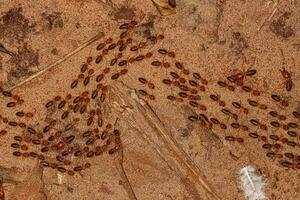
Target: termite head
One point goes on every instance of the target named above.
(285, 73)
(239, 76)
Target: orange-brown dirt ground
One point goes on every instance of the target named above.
(171, 109)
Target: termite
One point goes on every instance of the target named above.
(288, 79)
(239, 77)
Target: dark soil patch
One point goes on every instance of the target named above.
(238, 44)
(14, 25)
(23, 60)
(124, 13)
(280, 28)
(146, 29)
(54, 20)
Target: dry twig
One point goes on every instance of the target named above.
(45, 69)
(137, 113)
(267, 19)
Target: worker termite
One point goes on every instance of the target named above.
(288, 79)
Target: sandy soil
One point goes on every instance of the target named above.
(130, 138)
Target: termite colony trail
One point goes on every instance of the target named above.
(279, 139)
(277, 135)
(75, 129)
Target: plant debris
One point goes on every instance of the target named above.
(14, 26)
(4, 50)
(165, 7)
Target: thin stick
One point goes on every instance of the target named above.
(171, 144)
(174, 148)
(121, 170)
(267, 19)
(82, 46)
(120, 167)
